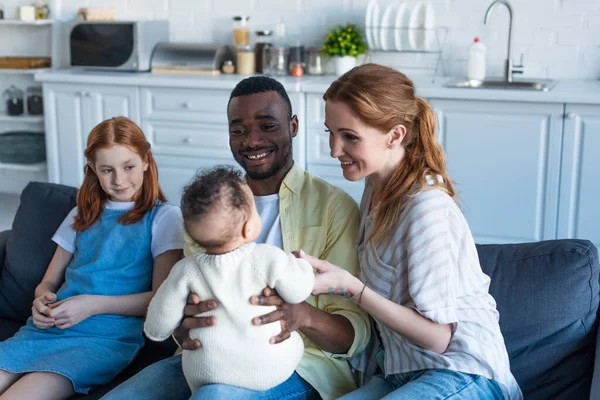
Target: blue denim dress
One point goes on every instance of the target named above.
(110, 259)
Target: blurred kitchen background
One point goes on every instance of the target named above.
(554, 124)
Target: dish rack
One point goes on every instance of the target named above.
(408, 48)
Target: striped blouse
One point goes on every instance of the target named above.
(429, 262)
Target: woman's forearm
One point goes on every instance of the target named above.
(132, 304)
(407, 322)
(330, 332)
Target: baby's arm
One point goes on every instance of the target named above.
(291, 277)
(166, 309)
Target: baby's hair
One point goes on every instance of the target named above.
(221, 186)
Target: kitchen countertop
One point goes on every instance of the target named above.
(566, 91)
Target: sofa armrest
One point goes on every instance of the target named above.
(595, 388)
(3, 240)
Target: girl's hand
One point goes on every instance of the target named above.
(71, 311)
(331, 279)
(40, 311)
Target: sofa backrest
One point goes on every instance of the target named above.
(29, 249)
(547, 295)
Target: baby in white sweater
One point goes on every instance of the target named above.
(220, 215)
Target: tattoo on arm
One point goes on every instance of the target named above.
(341, 292)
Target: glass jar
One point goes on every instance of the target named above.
(42, 11)
(277, 61)
(228, 67)
(1, 11)
(296, 56)
(241, 33)
(296, 69)
(14, 100)
(314, 62)
(245, 62)
(35, 100)
(263, 40)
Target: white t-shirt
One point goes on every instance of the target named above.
(167, 228)
(268, 209)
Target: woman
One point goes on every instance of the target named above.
(420, 276)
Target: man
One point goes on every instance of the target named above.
(298, 211)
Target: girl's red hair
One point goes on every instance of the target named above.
(91, 198)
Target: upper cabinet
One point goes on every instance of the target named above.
(71, 112)
(505, 161)
(579, 213)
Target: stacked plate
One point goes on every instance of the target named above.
(400, 25)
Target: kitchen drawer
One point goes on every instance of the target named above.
(185, 104)
(193, 139)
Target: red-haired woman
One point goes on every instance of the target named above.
(114, 250)
(420, 277)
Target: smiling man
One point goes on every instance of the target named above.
(298, 211)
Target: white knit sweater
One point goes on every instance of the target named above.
(234, 351)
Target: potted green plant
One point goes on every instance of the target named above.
(344, 43)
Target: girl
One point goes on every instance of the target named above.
(114, 250)
(420, 273)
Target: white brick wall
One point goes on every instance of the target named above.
(560, 38)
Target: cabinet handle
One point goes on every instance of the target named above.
(83, 94)
(571, 115)
(187, 140)
(187, 104)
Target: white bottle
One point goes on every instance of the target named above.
(476, 62)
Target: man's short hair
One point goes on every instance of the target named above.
(260, 84)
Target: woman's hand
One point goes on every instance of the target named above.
(291, 316)
(331, 279)
(194, 307)
(40, 311)
(71, 311)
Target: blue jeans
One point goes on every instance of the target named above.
(164, 380)
(428, 384)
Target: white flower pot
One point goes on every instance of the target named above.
(344, 64)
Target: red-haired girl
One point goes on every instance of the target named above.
(114, 250)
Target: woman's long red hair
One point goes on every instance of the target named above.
(91, 198)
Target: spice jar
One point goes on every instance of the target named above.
(263, 41)
(228, 67)
(35, 100)
(296, 69)
(14, 100)
(41, 10)
(296, 56)
(315, 62)
(245, 62)
(277, 61)
(241, 33)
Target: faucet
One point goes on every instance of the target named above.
(509, 67)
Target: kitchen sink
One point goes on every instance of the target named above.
(543, 85)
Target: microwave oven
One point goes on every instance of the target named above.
(115, 45)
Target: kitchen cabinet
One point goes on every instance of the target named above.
(71, 112)
(505, 160)
(318, 159)
(578, 212)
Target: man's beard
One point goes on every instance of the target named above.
(275, 167)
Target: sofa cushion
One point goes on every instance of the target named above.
(29, 248)
(8, 328)
(547, 296)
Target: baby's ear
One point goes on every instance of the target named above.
(246, 229)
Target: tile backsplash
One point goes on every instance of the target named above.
(559, 38)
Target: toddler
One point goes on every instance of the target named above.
(220, 215)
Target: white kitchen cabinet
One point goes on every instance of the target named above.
(505, 161)
(579, 213)
(319, 161)
(71, 112)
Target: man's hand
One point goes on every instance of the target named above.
(71, 311)
(194, 307)
(40, 311)
(292, 316)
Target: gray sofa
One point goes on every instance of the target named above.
(547, 294)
